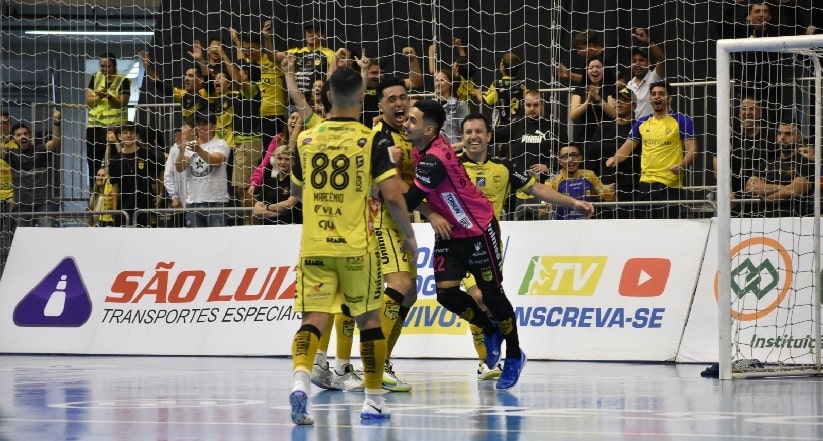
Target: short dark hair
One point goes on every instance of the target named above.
(110, 56)
(313, 25)
(585, 38)
(205, 117)
(433, 112)
(19, 126)
(387, 82)
(641, 52)
(344, 83)
(662, 84)
(476, 116)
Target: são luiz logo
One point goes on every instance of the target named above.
(761, 277)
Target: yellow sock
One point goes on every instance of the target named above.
(325, 338)
(389, 317)
(479, 342)
(344, 329)
(394, 334)
(373, 356)
(303, 348)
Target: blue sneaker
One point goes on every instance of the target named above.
(299, 413)
(493, 343)
(511, 371)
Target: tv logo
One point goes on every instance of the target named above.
(59, 300)
(644, 277)
(562, 275)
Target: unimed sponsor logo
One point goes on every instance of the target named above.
(562, 275)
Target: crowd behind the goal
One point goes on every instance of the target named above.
(242, 109)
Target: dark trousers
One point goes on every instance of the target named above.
(666, 207)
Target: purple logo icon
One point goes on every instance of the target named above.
(59, 300)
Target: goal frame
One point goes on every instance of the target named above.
(794, 44)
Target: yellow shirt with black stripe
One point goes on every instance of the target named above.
(272, 86)
(496, 178)
(390, 135)
(336, 164)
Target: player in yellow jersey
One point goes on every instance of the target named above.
(497, 178)
(342, 377)
(336, 164)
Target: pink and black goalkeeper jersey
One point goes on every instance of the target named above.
(449, 190)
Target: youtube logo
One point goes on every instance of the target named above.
(644, 277)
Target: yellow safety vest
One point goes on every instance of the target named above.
(103, 114)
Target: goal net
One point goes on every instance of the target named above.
(768, 196)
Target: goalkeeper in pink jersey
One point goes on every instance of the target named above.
(468, 241)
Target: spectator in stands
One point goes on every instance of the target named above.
(192, 96)
(213, 65)
(246, 121)
(6, 182)
(644, 76)
(203, 161)
(461, 70)
(372, 73)
(5, 127)
(577, 183)
(313, 60)
(316, 98)
(221, 105)
(626, 176)
(506, 92)
(529, 143)
(272, 84)
(273, 200)
(30, 164)
(107, 97)
(456, 110)
(591, 104)
(785, 182)
(136, 175)
(588, 46)
(750, 143)
(173, 180)
(100, 200)
(669, 147)
(288, 138)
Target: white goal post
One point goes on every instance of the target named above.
(741, 351)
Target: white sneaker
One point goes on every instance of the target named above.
(373, 411)
(349, 381)
(299, 408)
(321, 376)
(484, 373)
(390, 381)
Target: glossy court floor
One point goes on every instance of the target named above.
(170, 398)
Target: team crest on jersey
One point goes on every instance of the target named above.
(487, 274)
(497, 181)
(361, 142)
(141, 165)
